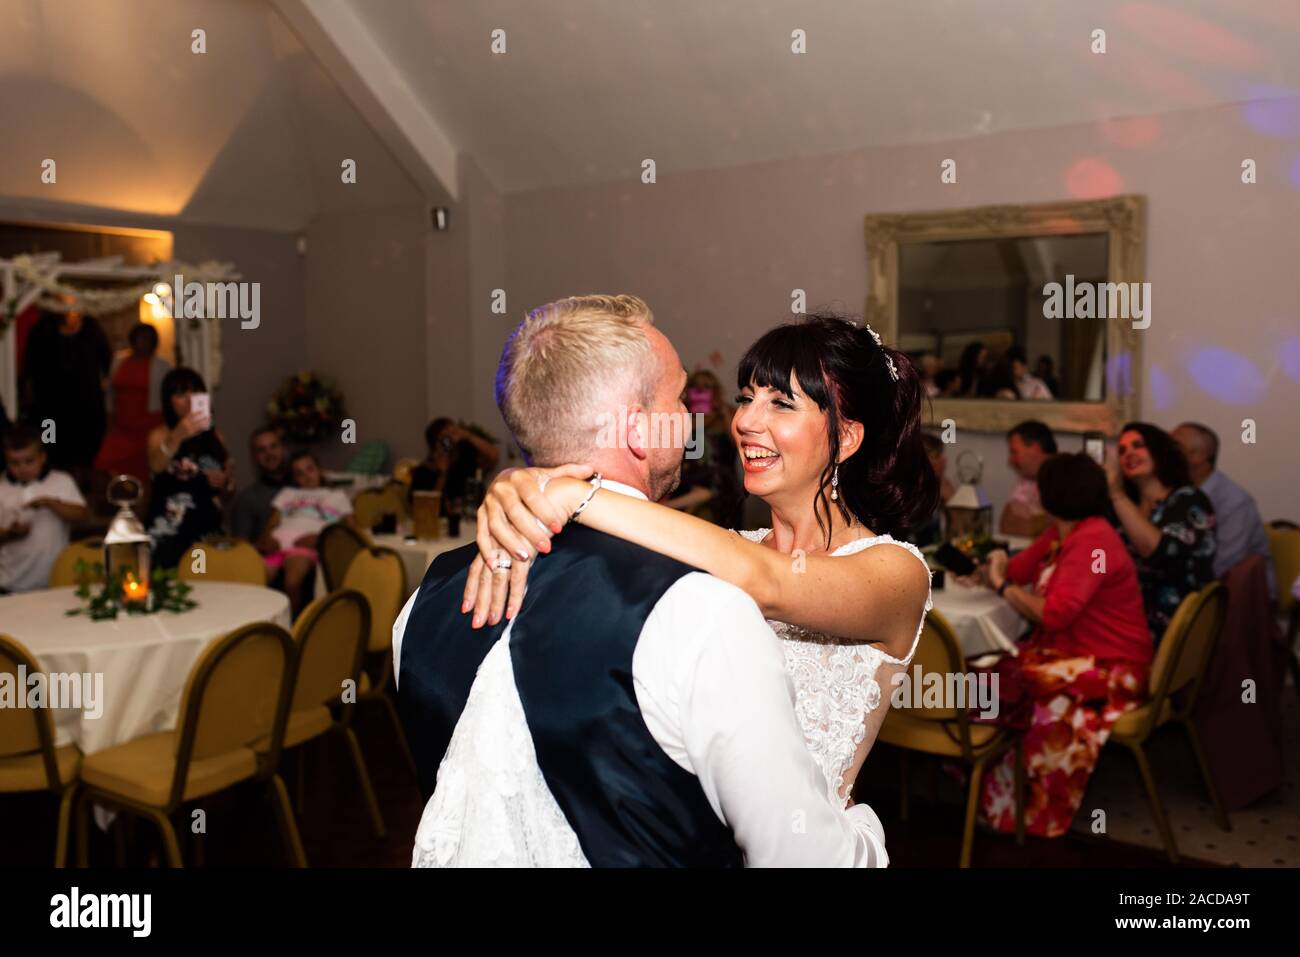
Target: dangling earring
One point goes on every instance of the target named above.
(835, 483)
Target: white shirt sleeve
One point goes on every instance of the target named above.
(399, 630)
(711, 683)
(62, 487)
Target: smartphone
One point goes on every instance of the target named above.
(201, 404)
(954, 560)
(1094, 443)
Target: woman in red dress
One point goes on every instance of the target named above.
(1087, 660)
(134, 406)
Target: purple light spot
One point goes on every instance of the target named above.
(1289, 355)
(1273, 111)
(1226, 375)
(1162, 389)
(1119, 374)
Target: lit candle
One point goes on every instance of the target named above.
(134, 590)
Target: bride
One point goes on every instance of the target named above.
(828, 427)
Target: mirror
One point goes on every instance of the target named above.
(974, 297)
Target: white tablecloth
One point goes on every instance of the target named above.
(144, 660)
(417, 556)
(981, 620)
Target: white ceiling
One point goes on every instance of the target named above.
(253, 131)
(589, 88)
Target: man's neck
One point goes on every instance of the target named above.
(1200, 475)
(621, 471)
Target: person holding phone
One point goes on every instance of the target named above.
(455, 454)
(192, 469)
(1087, 659)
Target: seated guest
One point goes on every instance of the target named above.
(252, 508)
(927, 367)
(947, 383)
(930, 532)
(299, 512)
(1086, 661)
(1044, 369)
(974, 359)
(455, 454)
(1166, 521)
(191, 469)
(711, 486)
(1029, 386)
(1238, 529)
(1028, 446)
(134, 404)
(37, 507)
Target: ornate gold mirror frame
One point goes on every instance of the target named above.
(1122, 218)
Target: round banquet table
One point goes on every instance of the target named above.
(144, 659)
(981, 620)
(417, 555)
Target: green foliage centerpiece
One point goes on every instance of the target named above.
(106, 597)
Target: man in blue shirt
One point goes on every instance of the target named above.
(1238, 526)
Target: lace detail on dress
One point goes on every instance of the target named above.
(491, 806)
(835, 680)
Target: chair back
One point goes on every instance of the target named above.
(378, 574)
(1186, 649)
(237, 693)
(25, 731)
(64, 570)
(938, 653)
(1284, 543)
(331, 634)
(374, 503)
(337, 545)
(223, 560)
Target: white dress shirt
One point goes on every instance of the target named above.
(710, 681)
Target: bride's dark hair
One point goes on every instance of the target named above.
(888, 483)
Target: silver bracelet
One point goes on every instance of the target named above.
(595, 487)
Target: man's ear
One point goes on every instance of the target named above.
(637, 426)
(851, 434)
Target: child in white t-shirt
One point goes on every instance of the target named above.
(298, 514)
(38, 505)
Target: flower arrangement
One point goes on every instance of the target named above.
(307, 408)
(164, 592)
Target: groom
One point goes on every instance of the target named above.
(636, 711)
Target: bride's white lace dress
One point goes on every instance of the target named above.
(482, 804)
(837, 682)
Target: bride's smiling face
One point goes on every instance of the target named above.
(781, 438)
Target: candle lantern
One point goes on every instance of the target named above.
(969, 512)
(126, 545)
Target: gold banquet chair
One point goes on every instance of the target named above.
(1176, 677)
(63, 572)
(237, 695)
(949, 732)
(331, 635)
(29, 760)
(223, 560)
(1284, 544)
(373, 504)
(378, 574)
(337, 545)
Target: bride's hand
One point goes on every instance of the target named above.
(515, 521)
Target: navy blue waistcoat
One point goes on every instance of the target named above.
(571, 648)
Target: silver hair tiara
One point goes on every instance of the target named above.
(889, 360)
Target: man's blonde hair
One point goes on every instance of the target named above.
(568, 368)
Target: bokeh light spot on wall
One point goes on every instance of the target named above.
(1119, 374)
(1131, 132)
(1093, 178)
(1226, 375)
(1289, 357)
(1187, 35)
(1273, 111)
(1161, 388)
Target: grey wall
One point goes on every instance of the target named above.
(716, 253)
